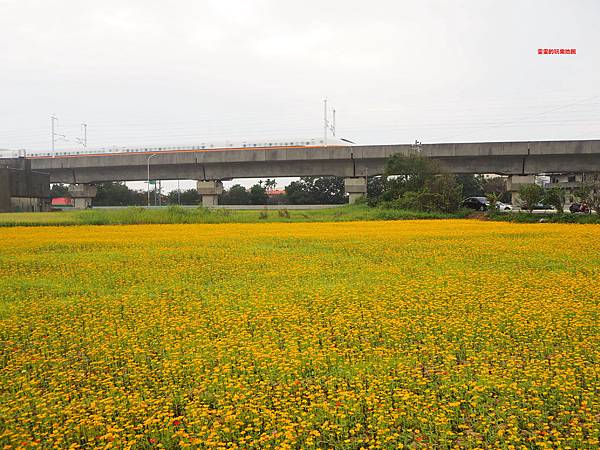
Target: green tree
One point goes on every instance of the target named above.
(59, 190)
(449, 192)
(235, 195)
(531, 195)
(590, 192)
(187, 197)
(495, 185)
(472, 185)
(117, 194)
(595, 195)
(410, 173)
(268, 184)
(329, 190)
(258, 195)
(375, 188)
(555, 197)
(420, 183)
(584, 192)
(316, 190)
(298, 192)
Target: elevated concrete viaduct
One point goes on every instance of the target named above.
(351, 162)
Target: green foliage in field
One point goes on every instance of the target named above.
(177, 214)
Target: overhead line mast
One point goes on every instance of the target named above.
(327, 126)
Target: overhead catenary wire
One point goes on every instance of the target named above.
(583, 112)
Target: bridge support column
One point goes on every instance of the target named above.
(82, 195)
(210, 191)
(514, 183)
(356, 188)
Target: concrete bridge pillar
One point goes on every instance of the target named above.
(210, 191)
(514, 183)
(82, 195)
(356, 188)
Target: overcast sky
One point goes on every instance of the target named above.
(183, 72)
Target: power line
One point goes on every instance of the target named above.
(533, 115)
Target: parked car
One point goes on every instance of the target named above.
(476, 203)
(579, 208)
(503, 206)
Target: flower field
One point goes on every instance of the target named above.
(412, 334)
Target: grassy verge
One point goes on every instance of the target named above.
(174, 214)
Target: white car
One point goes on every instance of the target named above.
(503, 206)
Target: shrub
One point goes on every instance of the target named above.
(556, 198)
(493, 199)
(531, 195)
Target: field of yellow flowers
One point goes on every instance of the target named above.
(432, 334)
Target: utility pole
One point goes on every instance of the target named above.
(83, 140)
(325, 122)
(148, 158)
(327, 126)
(84, 126)
(333, 126)
(53, 120)
(159, 191)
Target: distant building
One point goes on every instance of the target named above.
(275, 192)
(62, 202)
(277, 196)
(22, 189)
(569, 182)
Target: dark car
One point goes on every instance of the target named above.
(476, 203)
